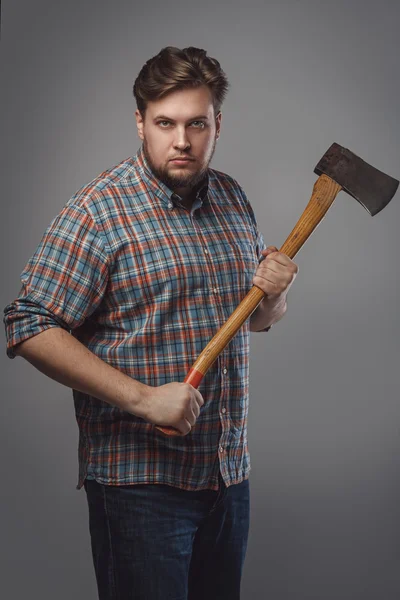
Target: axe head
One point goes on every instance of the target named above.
(372, 188)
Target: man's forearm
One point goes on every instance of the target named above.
(267, 313)
(63, 358)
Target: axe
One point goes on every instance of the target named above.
(339, 169)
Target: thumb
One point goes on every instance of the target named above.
(269, 250)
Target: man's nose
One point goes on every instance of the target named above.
(181, 139)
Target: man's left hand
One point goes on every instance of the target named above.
(275, 274)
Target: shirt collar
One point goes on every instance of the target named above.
(159, 188)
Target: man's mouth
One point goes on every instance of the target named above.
(181, 159)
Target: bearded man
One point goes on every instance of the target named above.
(130, 281)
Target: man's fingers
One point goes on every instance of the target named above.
(187, 428)
(199, 397)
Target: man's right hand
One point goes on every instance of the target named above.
(173, 404)
(62, 357)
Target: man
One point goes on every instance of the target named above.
(130, 281)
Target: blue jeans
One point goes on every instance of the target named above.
(157, 542)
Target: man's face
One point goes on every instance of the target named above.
(182, 124)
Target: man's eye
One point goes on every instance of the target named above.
(196, 124)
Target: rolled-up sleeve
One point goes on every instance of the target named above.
(63, 282)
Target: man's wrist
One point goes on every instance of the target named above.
(268, 312)
(139, 399)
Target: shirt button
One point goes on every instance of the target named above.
(221, 448)
(224, 410)
(170, 205)
(225, 371)
(215, 291)
(205, 251)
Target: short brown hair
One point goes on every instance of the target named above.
(173, 69)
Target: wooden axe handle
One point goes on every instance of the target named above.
(324, 192)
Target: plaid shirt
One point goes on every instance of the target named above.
(145, 284)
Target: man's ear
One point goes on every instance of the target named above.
(218, 120)
(139, 123)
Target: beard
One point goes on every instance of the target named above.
(178, 180)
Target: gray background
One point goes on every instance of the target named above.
(324, 419)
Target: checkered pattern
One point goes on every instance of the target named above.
(145, 284)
